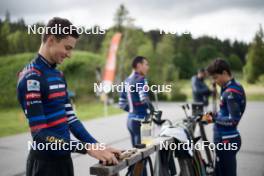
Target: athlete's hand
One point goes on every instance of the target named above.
(207, 118)
(115, 151)
(106, 155)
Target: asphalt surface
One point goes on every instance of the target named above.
(112, 130)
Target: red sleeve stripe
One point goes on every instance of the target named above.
(31, 96)
(233, 90)
(30, 70)
(22, 73)
(57, 94)
(138, 103)
(35, 70)
(41, 126)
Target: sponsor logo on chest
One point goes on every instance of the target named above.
(57, 86)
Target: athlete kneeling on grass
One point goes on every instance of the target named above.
(42, 93)
(232, 107)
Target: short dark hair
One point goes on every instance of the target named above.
(62, 23)
(136, 60)
(218, 66)
(201, 70)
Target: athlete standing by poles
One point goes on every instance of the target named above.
(200, 90)
(135, 99)
(42, 93)
(232, 107)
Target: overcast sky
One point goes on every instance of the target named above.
(233, 19)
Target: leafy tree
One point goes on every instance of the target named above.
(147, 50)
(235, 62)
(226, 47)
(183, 60)
(19, 42)
(164, 59)
(90, 42)
(255, 60)
(7, 17)
(120, 17)
(240, 49)
(129, 47)
(4, 32)
(155, 37)
(206, 53)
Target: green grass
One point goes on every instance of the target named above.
(186, 88)
(95, 110)
(13, 120)
(254, 92)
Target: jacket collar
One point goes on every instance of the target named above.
(228, 83)
(40, 59)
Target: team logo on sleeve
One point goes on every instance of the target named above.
(230, 96)
(31, 96)
(33, 85)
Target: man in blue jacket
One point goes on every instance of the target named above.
(135, 99)
(200, 90)
(42, 93)
(232, 107)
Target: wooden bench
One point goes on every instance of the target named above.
(101, 170)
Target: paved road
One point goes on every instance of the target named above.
(112, 130)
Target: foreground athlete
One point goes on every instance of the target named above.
(232, 107)
(42, 93)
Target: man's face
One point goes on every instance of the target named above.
(202, 75)
(59, 50)
(143, 67)
(219, 79)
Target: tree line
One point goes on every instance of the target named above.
(172, 56)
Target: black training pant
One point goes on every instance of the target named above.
(39, 165)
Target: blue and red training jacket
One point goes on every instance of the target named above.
(42, 93)
(232, 107)
(135, 97)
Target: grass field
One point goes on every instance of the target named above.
(254, 92)
(13, 120)
(80, 74)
